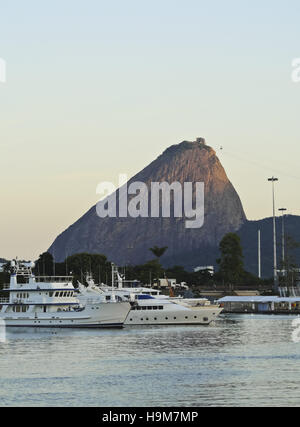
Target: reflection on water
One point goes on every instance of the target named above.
(238, 361)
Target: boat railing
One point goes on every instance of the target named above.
(51, 279)
(91, 301)
(4, 300)
(5, 286)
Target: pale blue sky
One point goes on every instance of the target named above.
(97, 88)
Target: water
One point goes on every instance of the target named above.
(240, 361)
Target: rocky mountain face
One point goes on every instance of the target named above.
(127, 240)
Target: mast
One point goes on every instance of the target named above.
(112, 276)
(113, 298)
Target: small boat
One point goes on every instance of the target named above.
(52, 302)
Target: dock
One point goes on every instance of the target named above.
(260, 305)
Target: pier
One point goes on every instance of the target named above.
(260, 304)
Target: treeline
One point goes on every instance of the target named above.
(231, 268)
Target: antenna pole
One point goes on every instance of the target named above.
(273, 180)
(259, 254)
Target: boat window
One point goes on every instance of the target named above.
(50, 294)
(65, 294)
(144, 308)
(56, 294)
(150, 308)
(161, 307)
(20, 295)
(107, 298)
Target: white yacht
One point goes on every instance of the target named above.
(52, 302)
(150, 307)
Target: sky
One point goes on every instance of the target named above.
(97, 88)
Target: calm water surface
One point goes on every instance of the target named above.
(239, 361)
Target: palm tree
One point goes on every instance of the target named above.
(158, 252)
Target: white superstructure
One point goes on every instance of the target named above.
(150, 307)
(52, 302)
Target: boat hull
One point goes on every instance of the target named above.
(203, 316)
(111, 315)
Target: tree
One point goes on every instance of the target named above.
(289, 265)
(44, 265)
(231, 261)
(83, 263)
(178, 272)
(158, 252)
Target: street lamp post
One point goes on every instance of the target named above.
(273, 180)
